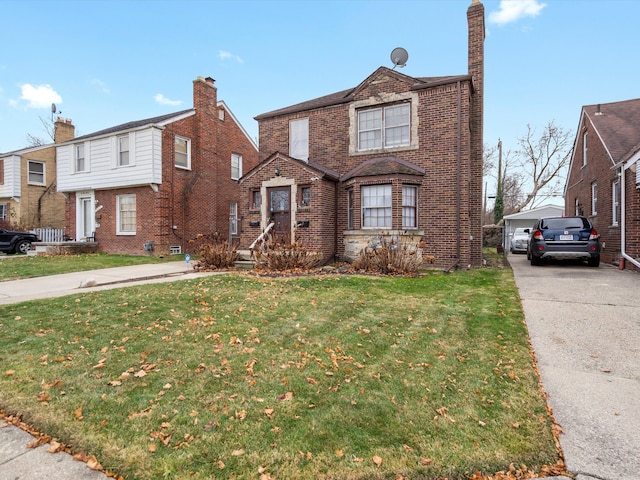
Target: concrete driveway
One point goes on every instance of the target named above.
(584, 325)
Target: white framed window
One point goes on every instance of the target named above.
(3, 211)
(182, 152)
(299, 139)
(409, 206)
(376, 206)
(123, 150)
(585, 148)
(36, 173)
(236, 166)
(126, 214)
(594, 198)
(233, 218)
(305, 196)
(79, 156)
(615, 202)
(383, 127)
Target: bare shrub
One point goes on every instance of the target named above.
(215, 253)
(277, 255)
(389, 256)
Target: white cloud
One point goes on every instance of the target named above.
(41, 96)
(100, 85)
(162, 100)
(513, 10)
(229, 56)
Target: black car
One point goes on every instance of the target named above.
(564, 238)
(16, 242)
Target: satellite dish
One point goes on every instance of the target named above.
(399, 57)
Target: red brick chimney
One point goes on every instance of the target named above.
(63, 130)
(475, 20)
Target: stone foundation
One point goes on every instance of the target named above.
(356, 240)
(63, 248)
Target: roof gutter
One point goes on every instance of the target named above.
(623, 214)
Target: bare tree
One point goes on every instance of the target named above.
(34, 141)
(542, 162)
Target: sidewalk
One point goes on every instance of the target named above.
(69, 283)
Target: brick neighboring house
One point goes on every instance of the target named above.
(151, 186)
(28, 195)
(396, 155)
(603, 182)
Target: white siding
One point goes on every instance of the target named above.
(11, 187)
(145, 147)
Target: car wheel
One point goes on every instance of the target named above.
(536, 260)
(23, 246)
(594, 261)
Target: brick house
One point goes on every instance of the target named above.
(28, 195)
(151, 186)
(396, 155)
(603, 182)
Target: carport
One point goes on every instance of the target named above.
(526, 219)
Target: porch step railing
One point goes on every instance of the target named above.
(261, 236)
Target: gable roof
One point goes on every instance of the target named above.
(618, 126)
(159, 120)
(346, 96)
(323, 171)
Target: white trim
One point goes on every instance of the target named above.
(119, 231)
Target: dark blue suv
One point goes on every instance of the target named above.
(564, 238)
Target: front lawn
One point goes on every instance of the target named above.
(238, 376)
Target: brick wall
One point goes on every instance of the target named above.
(581, 177)
(189, 202)
(40, 205)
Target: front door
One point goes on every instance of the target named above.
(280, 212)
(85, 218)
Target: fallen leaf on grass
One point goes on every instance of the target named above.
(77, 413)
(286, 396)
(237, 453)
(377, 460)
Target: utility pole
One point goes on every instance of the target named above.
(498, 208)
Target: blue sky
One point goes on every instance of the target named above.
(108, 62)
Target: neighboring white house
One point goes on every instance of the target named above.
(526, 219)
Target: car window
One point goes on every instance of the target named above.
(563, 223)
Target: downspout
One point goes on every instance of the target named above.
(458, 174)
(335, 223)
(623, 214)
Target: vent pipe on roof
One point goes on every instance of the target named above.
(598, 110)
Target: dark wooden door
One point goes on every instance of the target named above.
(280, 211)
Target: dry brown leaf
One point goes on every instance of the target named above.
(377, 460)
(237, 453)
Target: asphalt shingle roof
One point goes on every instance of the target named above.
(134, 124)
(345, 96)
(618, 124)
